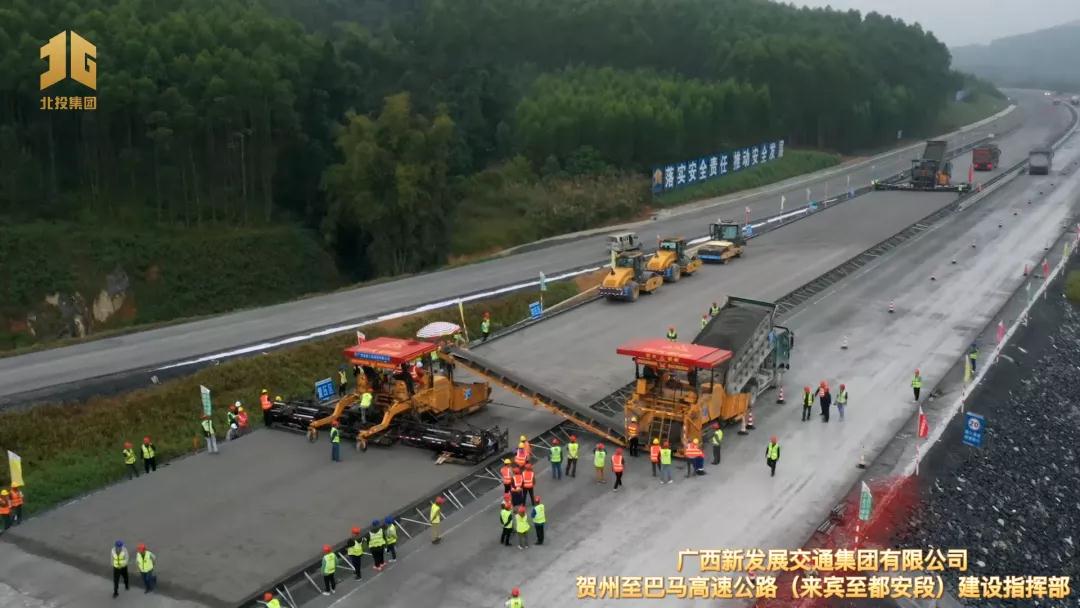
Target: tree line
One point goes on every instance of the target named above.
(367, 120)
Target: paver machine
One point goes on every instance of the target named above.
(931, 173)
(672, 261)
(628, 278)
(726, 241)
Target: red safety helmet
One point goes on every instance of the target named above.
(618, 450)
(356, 530)
(521, 509)
(326, 549)
(232, 408)
(141, 548)
(843, 386)
(916, 371)
(599, 446)
(806, 388)
(335, 423)
(716, 425)
(515, 592)
(537, 499)
(573, 437)
(127, 444)
(439, 500)
(773, 439)
(487, 314)
(268, 596)
(146, 439)
(555, 441)
(667, 444)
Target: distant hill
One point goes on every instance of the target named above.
(1042, 59)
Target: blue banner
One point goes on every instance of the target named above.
(974, 425)
(324, 389)
(690, 172)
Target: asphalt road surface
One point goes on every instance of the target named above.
(33, 376)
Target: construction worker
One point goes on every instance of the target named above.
(695, 458)
(436, 519)
(716, 438)
(119, 555)
(825, 399)
(521, 525)
(632, 436)
(528, 447)
(520, 455)
(271, 600)
(772, 454)
(704, 320)
(485, 327)
(343, 381)
(841, 400)
(973, 355)
(665, 462)
(355, 551)
(233, 426)
(916, 385)
(208, 433)
(654, 455)
(129, 460)
(264, 402)
(672, 335)
(144, 561)
(335, 441)
(807, 403)
(515, 600)
(539, 518)
(528, 478)
(507, 474)
(365, 405)
(377, 545)
(571, 457)
(555, 457)
(599, 462)
(506, 518)
(617, 468)
(329, 567)
(16, 499)
(517, 489)
(149, 455)
(391, 537)
(714, 309)
(5, 510)
(242, 421)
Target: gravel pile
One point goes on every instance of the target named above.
(1015, 502)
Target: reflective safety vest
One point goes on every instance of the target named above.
(519, 481)
(436, 513)
(507, 475)
(129, 456)
(693, 451)
(376, 538)
(5, 506)
(147, 451)
(617, 463)
(665, 455)
(230, 418)
(772, 451)
(632, 429)
(16, 497)
(714, 310)
(391, 534)
(485, 326)
(841, 398)
(356, 546)
(119, 558)
(144, 561)
(672, 335)
(208, 427)
(329, 564)
(521, 523)
(274, 603)
(506, 516)
(572, 449)
(264, 401)
(704, 322)
(654, 453)
(529, 479)
(599, 458)
(807, 398)
(556, 453)
(539, 516)
(342, 378)
(434, 355)
(973, 355)
(365, 400)
(515, 602)
(916, 382)
(717, 437)
(242, 418)
(520, 457)
(335, 435)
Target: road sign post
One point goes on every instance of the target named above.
(973, 429)
(536, 309)
(866, 502)
(324, 389)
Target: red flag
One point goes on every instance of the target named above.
(924, 426)
(971, 173)
(1046, 269)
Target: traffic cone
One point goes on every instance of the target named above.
(780, 396)
(1027, 268)
(954, 259)
(892, 307)
(862, 458)
(750, 420)
(843, 345)
(1045, 269)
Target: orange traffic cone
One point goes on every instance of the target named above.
(750, 420)
(1045, 269)
(780, 396)
(1026, 269)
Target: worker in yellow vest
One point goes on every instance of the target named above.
(807, 403)
(632, 436)
(555, 456)
(149, 455)
(377, 545)
(271, 600)
(435, 517)
(521, 525)
(665, 462)
(916, 385)
(715, 439)
(539, 518)
(355, 551)
(391, 538)
(672, 335)
(119, 556)
(329, 567)
(365, 405)
(335, 441)
(343, 381)
(704, 320)
(654, 455)
(208, 433)
(485, 327)
(506, 518)
(571, 457)
(515, 600)
(772, 454)
(129, 460)
(714, 309)
(599, 462)
(841, 400)
(144, 561)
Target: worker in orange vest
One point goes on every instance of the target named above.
(264, 401)
(528, 478)
(654, 455)
(507, 474)
(632, 435)
(521, 455)
(16, 505)
(694, 455)
(517, 491)
(242, 420)
(528, 447)
(617, 468)
(5, 511)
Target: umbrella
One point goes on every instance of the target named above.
(438, 329)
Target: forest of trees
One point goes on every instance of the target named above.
(367, 120)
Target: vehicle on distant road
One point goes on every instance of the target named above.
(623, 241)
(985, 157)
(1075, 100)
(1039, 160)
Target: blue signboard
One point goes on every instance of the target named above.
(324, 389)
(686, 173)
(973, 429)
(536, 309)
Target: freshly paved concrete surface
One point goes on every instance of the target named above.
(33, 376)
(595, 532)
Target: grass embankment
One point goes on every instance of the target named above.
(68, 450)
(171, 273)
(1072, 286)
(982, 102)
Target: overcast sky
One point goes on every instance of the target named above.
(959, 22)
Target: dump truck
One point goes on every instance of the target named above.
(985, 157)
(930, 173)
(1040, 159)
(672, 261)
(726, 241)
(628, 278)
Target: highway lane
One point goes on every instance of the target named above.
(34, 376)
(638, 532)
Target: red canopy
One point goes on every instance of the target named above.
(387, 352)
(673, 355)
